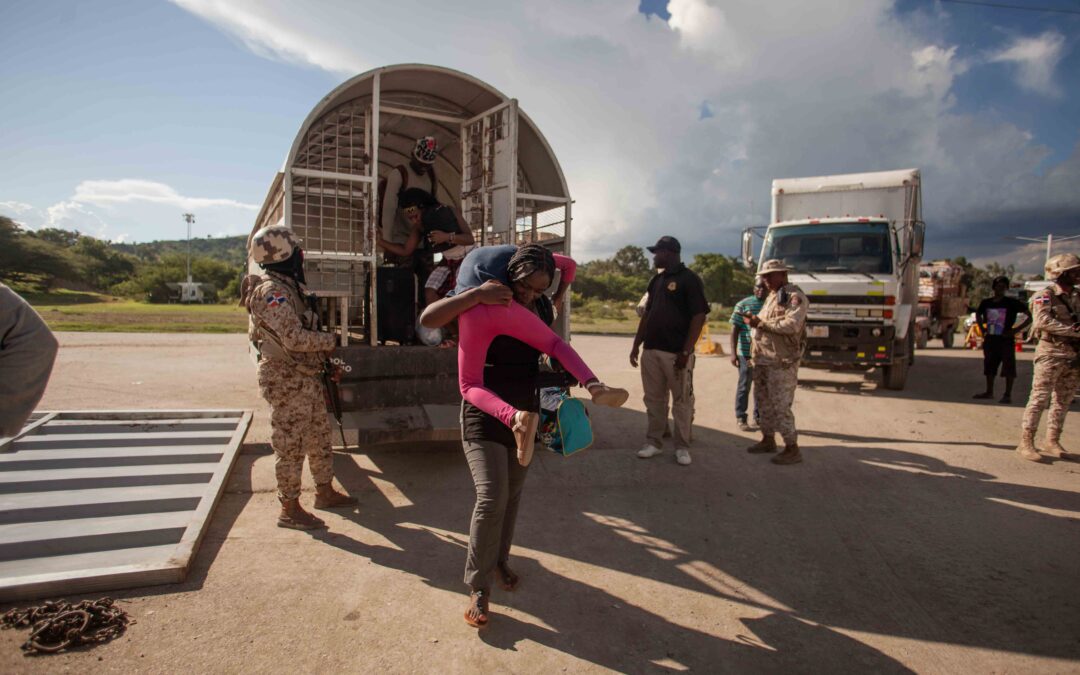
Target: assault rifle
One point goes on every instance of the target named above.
(330, 373)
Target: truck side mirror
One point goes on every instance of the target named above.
(918, 237)
(748, 248)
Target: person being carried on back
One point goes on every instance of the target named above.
(526, 272)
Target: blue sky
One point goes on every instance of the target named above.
(119, 116)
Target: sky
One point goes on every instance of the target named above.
(667, 117)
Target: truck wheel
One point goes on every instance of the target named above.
(894, 377)
(923, 339)
(948, 336)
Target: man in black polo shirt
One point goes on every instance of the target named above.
(669, 328)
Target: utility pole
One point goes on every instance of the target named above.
(1049, 239)
(190, 218)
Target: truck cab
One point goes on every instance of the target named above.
(855, 252)
(493, 164)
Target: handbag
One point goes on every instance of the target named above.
(565, 427)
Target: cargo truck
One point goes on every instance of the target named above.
(943, 299)
(493, 163)
(855, 242)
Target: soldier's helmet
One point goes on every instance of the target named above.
(273, 244)
(1060, 264)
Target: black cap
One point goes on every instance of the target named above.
(666, 244)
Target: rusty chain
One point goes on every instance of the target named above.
(56, 626)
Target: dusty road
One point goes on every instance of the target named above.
(910, 539)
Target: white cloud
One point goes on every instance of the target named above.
(1035, 59)
(71, 215)
(15, 208)
(793, 88)
(128, 190)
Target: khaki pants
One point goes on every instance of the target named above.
(659, 379)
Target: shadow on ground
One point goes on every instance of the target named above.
(920, 386)
(859, 537)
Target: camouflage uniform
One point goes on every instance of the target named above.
(1057, 372)
(290, 361)
(775, 350)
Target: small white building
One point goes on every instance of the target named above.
(187, 292)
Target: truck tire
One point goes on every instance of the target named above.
(923, 339)
(894, 377)
(948, 336)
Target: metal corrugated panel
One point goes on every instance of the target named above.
(92, 501)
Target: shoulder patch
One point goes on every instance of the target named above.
(795, 301)
(275, 298)
(1042, 299)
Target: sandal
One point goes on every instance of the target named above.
(602, 394)
(476, 615)
(508, 579)
(524, 429)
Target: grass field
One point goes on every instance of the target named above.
(628, 322)
(78, 311)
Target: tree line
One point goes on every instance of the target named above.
(625, 276)
(51, 258)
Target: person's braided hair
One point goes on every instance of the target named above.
(528, 260)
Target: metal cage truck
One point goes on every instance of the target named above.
(855, 242)
(493, 163)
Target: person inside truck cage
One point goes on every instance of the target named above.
(438, 227)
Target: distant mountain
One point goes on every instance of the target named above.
(232, 250)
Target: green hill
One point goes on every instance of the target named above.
(231, 250)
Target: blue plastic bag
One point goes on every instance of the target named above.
(564, 422)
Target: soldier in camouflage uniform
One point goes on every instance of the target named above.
(291, 359)
(1057, 369)
(779, 333)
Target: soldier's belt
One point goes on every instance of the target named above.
(271, 351)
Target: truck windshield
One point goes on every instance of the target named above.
(862, 248)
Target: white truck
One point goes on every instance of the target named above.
(855, 242)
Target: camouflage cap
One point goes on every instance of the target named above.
(272, 244)
(774, 265)
(1060, 264)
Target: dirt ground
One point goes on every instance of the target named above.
(911, 538)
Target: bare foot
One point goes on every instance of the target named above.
(508, 579)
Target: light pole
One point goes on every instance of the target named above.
(190, 218)
(1049, 239)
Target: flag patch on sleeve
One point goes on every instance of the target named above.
(1041, 300)
(275, 299)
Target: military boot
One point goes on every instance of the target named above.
(766, 444)
(1026, 449)
(790, 455)
(326, 497)
(1053, 446)
(295, 517)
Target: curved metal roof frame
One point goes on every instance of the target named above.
(460, 92)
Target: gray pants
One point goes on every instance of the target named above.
(659, 379)
(498, 479)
